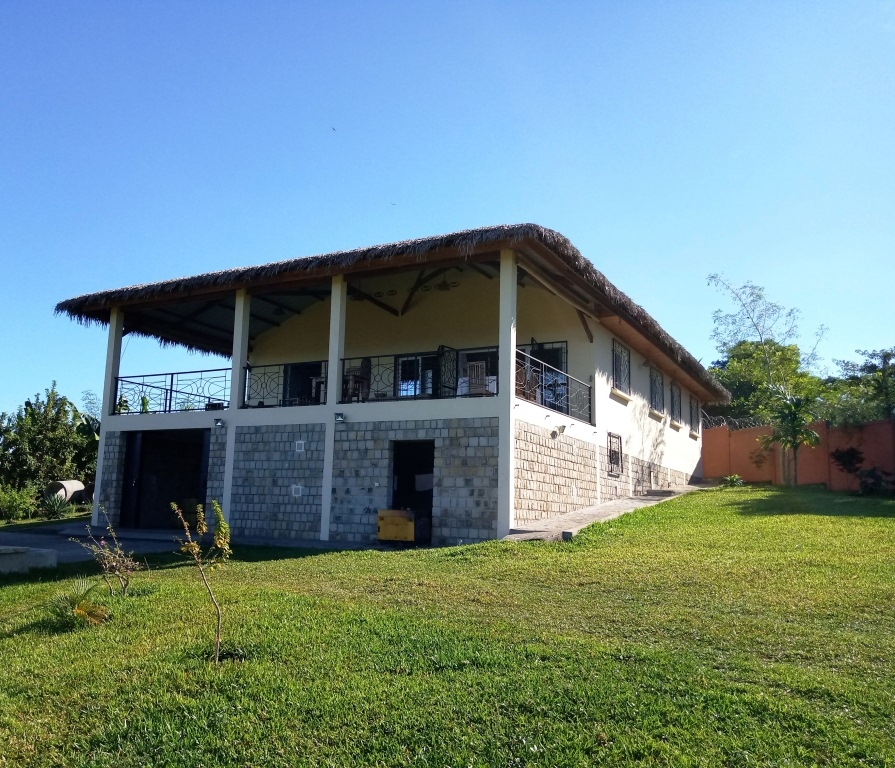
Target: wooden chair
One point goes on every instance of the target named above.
(478, 380)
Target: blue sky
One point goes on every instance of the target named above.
(144, 141)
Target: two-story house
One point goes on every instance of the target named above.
(484, 379)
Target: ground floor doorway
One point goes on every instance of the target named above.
(160, 467)
(413, 469)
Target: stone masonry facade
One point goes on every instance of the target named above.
(646, 475)
(555, 473)
(277, 485)
(464, 503)
(109, 494)
(559, 474)
(217, 459)
(638, 477)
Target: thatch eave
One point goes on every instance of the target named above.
(95, 308)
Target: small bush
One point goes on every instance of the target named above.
(54, 506)
(111, 558)
(16, 504)
(75, 607)
(731, 481)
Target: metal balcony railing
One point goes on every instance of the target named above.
(431, 375)
(170, 392)
(286, 384)
(552, 388)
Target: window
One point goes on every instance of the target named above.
(656, 390)
(616, 459)
(416, 376)
(675, 390)
(621, 368)
(694, 414)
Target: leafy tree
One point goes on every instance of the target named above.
(47, 439)
(744, 374)
(872, 381)
(758, 319)
(791, 417)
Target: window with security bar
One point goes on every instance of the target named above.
(616, 459)
(694, 414)
(675, 391)
(621, 367)
(656, 390)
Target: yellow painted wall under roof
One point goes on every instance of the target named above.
(462, 317)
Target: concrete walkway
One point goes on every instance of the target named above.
(564, 527)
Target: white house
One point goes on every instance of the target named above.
(482, 379)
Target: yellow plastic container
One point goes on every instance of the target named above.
(395, 525)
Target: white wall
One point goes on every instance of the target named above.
(643, 436)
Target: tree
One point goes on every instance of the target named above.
(46, 440)
(760, 320)
(744, 373)
(874, 379)
(791, 416)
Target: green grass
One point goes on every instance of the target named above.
(738, 627)
(77, 513)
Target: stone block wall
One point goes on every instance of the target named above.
(554, 475)
(647, 475)
(464, 507)
(265, 468)
(109, 494)
(613, 486)
(217, 458)
(464, 504)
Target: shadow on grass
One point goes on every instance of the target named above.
(815, 501)
(43, 525)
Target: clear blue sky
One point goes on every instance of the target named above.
(667, 140)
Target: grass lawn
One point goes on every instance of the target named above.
(75, 514)
(736, 627)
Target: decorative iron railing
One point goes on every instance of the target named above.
(552, 388)
(169, 392)
(286, 384)
(437, 374)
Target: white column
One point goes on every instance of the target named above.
(110, 394)
(240, 354)
(506, 481)
(239, 358)
(337, 306)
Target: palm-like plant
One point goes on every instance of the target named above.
(791, 416)
(75, 607)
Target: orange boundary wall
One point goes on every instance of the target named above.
(726, 452)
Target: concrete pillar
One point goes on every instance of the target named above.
(506, 481)
(337, 309)
(239, 359)
(110, 396)
(240, 353)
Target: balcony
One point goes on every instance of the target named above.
(428, 375)
(285, 385)
(173, 392)
(540, 383)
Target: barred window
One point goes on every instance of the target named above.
(621, 367)
(694, 414)
(656, 390)
(675, 390)
(616, 458)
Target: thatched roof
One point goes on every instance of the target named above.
(457, 246)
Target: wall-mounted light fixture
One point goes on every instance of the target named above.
(340, 417)
(561, 428)
(219, 423)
